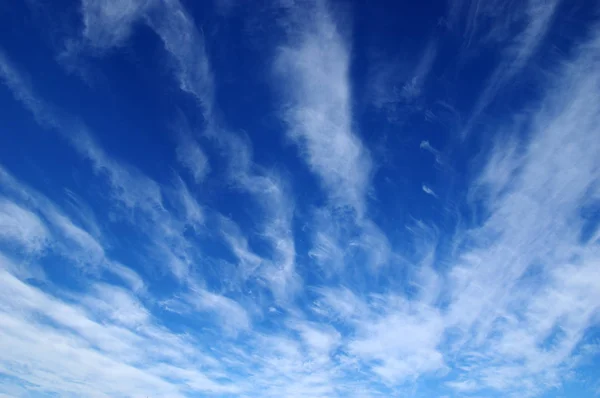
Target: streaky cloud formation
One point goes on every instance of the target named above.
(231, 214)
(534, 219)
(518, 51)
(314, 69)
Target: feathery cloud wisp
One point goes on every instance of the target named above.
(428, 191)
(313, 69)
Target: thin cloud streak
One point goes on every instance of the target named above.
(57, 232)
(426, 146)
(539, 14)
(399, 89)
(414, 86)
(428, 191)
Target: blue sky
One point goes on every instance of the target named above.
(299, 198)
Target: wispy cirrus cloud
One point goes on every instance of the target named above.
(130, 189)
(78, 352)
(530, 242)
(230, 314)
(426, 146)
(20, 226)
(314, 71)
(193, 158)
(196, 78)
(428, 190)
(519, 49)
(413, 87)
(109, 23)
(55, 231)
(186, 49)
(138, 197)
(312, 76)
(108, 326)
(397, 87)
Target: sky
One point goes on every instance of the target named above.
(299, 198)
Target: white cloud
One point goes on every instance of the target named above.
(320, 340)
(237, 241)
(326, 249)
(137, 192)
(340, 241)
(277, 267)
(130, 187)
(340, 302)
(20, 226)
(186, 49)
(61, 233)
(313, 70)
(193, 158)
(195, 380)
(278, 209)
(429, 191)
(284, 369)
(396, 339)
(118, 305)
(191, 211)
(403, 341)
(426, 146)
(522, 294)
(78, 353)
(108, 23)
(138, 197)
(374, 243)
(231, 314)
(395, 85)
(413, 87)
(538, 18)
(463, 386)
